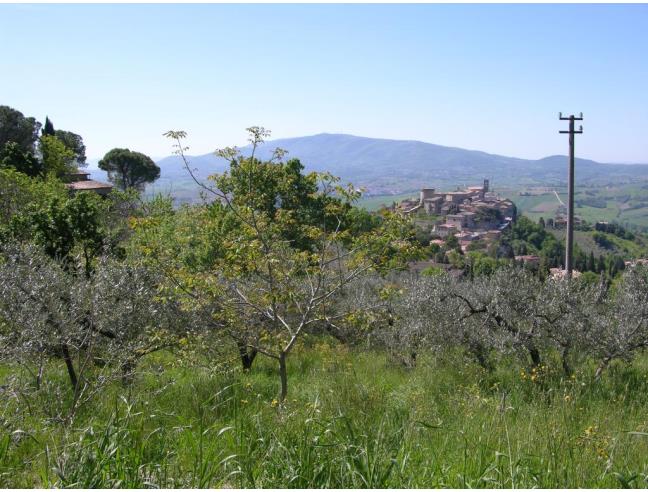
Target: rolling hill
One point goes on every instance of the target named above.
(386, 167)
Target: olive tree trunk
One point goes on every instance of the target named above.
(74, 381)
(247, 355)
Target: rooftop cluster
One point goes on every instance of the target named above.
(474, 213)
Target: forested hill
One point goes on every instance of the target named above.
(386, 166)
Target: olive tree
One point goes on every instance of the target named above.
(106, 321)
(497, 312)
(420, 317)
(564, 307)
(511, 311)
(618, 326)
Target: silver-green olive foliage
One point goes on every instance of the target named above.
(113, 317)
(514, 313)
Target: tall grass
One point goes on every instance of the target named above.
(351, 420)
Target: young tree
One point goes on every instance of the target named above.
(452, 242)
(283, 261)
(19, 195)
(64, 227)
(456, 259)
(482, 264)
(57, 159)
(128, 169)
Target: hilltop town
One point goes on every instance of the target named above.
(470, 214)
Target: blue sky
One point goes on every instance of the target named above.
(485, 77)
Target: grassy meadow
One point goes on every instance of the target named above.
(373, 203)
(352, 419)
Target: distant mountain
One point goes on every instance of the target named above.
(386, 166)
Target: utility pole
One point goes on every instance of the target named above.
(569, 253)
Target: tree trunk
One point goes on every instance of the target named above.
(567, 370)
(86, 256)
(336, 333)
(247, 355)
(535, 356)
(604, 363)
(39, 376)
(127, 372)
(284, 377)
(478, 351)
(70, 368)
(413, 356)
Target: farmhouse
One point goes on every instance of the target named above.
(79, 181)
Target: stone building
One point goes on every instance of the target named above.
(472, 213)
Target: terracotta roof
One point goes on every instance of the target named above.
(88, 185)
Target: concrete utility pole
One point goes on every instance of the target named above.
(569, 253)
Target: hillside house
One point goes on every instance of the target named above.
(79, 181)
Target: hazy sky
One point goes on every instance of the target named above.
(485, 77)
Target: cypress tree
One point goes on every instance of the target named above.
(48, 129)
(601, 264)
